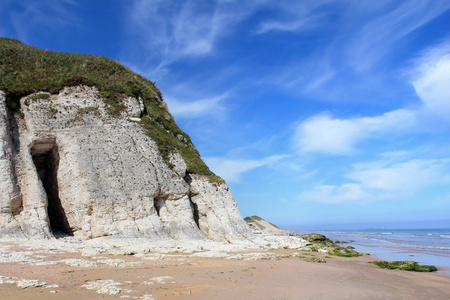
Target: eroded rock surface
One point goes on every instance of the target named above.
(67, 166)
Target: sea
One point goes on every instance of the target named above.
(425, 246)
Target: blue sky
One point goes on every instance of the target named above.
(314, 112)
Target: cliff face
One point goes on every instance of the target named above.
(68, 165)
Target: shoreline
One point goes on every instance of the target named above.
(398, 254)
(394, 252)
(252, 274)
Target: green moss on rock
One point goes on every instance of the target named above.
(40, 96)
(312, 258)
(321, 243)
(315, 259)
(406, 265)
(313, 237)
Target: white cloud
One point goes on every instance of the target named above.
(211, 107)
(430, 77)
(232, 170)
(334, 194)
(431, 82)
(401, 178)
(393, 177)
(324, 134)
(383, 180)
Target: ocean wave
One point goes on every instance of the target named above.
(402, 243)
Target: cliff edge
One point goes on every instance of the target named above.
(89, 149)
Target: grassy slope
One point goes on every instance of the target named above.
(25, 70)
(256, 219)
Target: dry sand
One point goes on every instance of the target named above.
(249, 275)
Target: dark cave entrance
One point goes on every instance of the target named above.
(46, 160)
(194, 207)
(158, 203)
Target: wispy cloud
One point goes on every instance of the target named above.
(335, 194)
(171, 31)
(293, 16)
(4, 9)
(383, 180)
(362, 38)
(183, 29)
(43, 14)
(305, 75)
(232, 170)
(377, 37)
(306, 22)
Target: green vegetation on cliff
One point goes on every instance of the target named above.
(25, 70)
(254, 220)
(257, 222)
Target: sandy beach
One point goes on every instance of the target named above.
(276, 274)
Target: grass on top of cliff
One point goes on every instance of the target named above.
(25, 70)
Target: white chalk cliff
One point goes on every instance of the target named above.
(67, 165)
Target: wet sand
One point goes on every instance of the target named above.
(250, 275)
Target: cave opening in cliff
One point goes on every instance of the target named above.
(194, 207)
(158, 203)
(46, 160)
